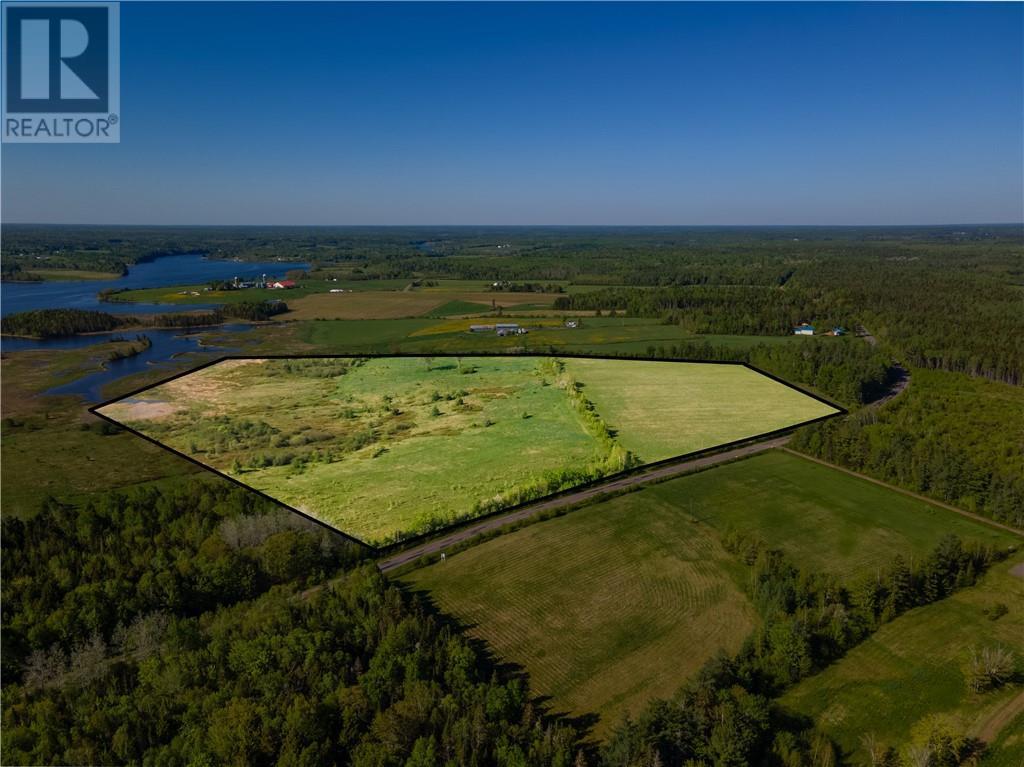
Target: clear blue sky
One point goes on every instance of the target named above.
(728, 113)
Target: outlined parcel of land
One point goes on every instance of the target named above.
(384, 448)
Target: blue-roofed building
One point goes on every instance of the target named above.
(803, 330)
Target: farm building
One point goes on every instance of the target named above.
(281, 284)
(481, 328)
(803, 330)
(509, 329)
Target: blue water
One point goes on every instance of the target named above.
(165, 346)
(165, 271)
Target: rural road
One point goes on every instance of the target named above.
(902, 374)
(662, 472)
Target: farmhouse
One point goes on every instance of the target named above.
(281, 284)
(803, 330)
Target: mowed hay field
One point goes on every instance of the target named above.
(913, 667)
(664, 409)
(384, 448)
(375, 305)
(606, 607)
(824, 519)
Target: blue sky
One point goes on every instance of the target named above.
(728, 113)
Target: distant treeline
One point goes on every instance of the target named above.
(255, 311)
(58, 323)
(717, 310)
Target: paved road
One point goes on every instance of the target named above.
(662, 472)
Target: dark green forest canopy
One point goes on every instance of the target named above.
(58, 323)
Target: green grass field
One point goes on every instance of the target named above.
(659, 413)
(606, 607)
(623, 634)
(825, 520)
(391, 447)
(913, 667)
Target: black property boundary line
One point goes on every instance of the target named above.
(392, 548)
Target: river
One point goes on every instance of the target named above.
(166, 344)
(165, 271)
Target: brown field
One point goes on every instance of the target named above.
(389, 305)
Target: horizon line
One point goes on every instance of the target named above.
(526, 226)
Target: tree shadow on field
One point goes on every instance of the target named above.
(507, 670)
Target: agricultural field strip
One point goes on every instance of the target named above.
(684, 466)
(933, 501)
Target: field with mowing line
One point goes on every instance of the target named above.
(366, 305)
(387, 448)
(825, 520)
(606, 607)
(913, 667)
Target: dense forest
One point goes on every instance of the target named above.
(57, 323)
(949, 436)
(200, 625)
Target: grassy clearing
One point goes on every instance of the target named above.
(913, 667)
(825, 520)
(390, 447)
(383, 448)
(663, 409)
(606, 607)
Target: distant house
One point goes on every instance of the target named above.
(281, 284)
(509, 329)
(803, 330)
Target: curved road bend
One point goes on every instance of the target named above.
(662, 472)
